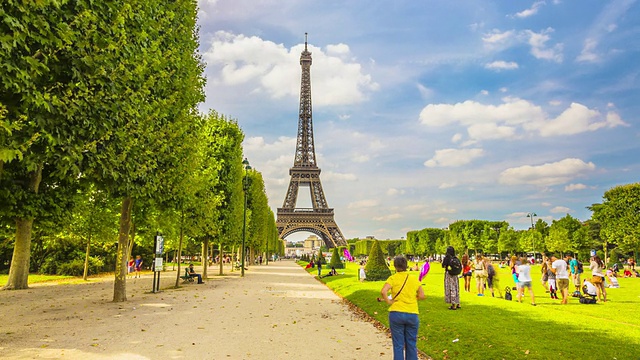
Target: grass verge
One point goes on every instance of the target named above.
(493, 328)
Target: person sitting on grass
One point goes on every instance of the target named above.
(192, 273)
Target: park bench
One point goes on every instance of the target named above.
(186, 277)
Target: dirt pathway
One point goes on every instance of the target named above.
(275, 312)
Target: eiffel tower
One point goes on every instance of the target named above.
(305, 172)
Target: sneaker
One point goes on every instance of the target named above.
(480, 294)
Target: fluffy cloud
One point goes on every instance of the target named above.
(547, 174)
(497, 39)
(453, 157)
(264, 66)
(363, 204)
(501, 65)
(587, 54)
(485, 122)
(394, 191)
(447, 185)
(530, 11)
(539, 49)
(560, 210)
(574, 187)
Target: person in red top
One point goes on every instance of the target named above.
(466, 272)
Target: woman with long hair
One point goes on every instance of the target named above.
(451, 282)
(597, 277)
(466, 272)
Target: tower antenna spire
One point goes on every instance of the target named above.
(305, 41)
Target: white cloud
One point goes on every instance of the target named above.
(394, 191)
(456, 138)
(330, 176)
(363, 204)
(512, 111)
(574, 187)
(578, 118)
(503, 89)
(453, 157)
(587, 54)
(560, 210)
(425, 92)
(530, 11)
(484, 92)
(496, 39)
(264, 66)
(344, 117)
(547, 174)
(502, 121)
(447, 185)
(539, 49)
(545, 204)
(555, 102)
(490, 131)
(501, 65)
(388, 217)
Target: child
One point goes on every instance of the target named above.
(130, 266)
(551, 278)
(363, 275)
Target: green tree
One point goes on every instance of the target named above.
(376, 268)
(619, 216)
(335, 259)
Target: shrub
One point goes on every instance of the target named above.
(321, 260)
(376, 268)
(335, 259)
(76, 267)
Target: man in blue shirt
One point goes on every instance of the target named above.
(575, 272)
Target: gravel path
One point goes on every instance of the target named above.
(275, 312)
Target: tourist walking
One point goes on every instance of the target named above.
(466, 272)
(513, 263)
(403, 313)
(452, 267)
(560, 269)
(524, 280)
(597, 277)
(138, 265)
(480, 273)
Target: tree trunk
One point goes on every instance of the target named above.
(120, 283)
(205, 257)
(86, 259)
(252, 256)
(178, 274)
(221, 258)
(132, 235)
(19, 270)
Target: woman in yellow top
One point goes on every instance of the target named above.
(403, 312)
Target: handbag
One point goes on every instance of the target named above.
(507, 294)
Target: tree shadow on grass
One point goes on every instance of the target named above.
(510, 330)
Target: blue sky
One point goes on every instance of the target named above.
(428, 112)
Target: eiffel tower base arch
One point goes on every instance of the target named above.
(316, 221)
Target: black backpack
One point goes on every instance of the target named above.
(455, 267)
(507, 294)
(579, 267)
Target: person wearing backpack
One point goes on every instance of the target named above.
(453, 268)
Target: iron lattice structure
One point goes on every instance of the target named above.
(306, 173)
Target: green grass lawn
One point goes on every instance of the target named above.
(493, 328)
(36, 278)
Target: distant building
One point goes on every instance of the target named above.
(310, 246)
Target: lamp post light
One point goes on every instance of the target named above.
(245, 188)
(533, 238)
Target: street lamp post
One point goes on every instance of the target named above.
(533, 238)
(245, 188)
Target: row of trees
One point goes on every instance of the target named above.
(100, 138)
(614, 228)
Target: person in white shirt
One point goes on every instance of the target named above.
(597, 278)
(524, 280)
(590, 289)
(560, 268)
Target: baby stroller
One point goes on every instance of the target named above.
(590, 293)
